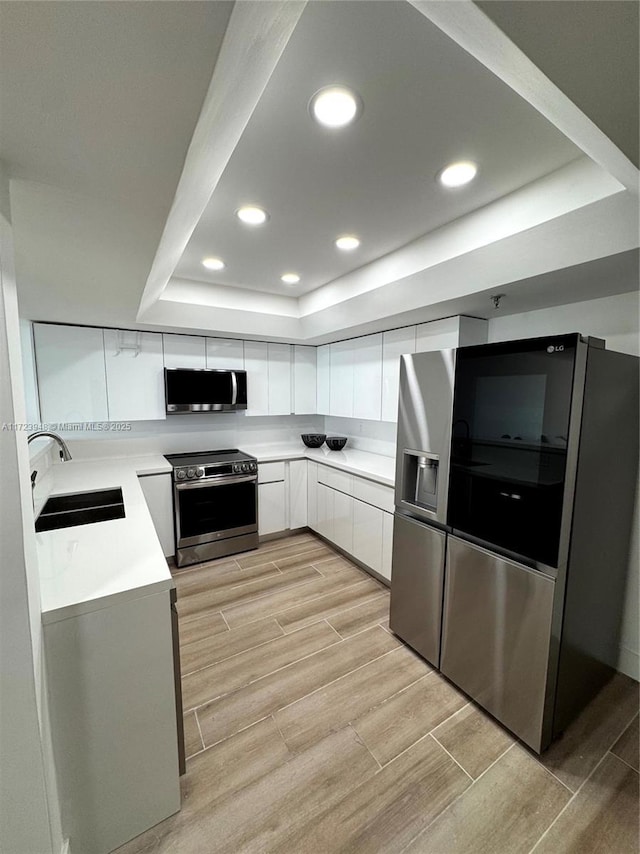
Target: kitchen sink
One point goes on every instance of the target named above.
(81, 508)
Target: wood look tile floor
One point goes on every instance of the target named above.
(311, 729)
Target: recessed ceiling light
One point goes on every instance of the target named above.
(348, 242)
(335, 106)
(213, 263)
(290, 278)
(458, 174)
(252, 215)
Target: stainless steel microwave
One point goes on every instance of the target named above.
(196, 390)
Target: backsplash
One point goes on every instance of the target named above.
(180, 433)
(376, 437)
(201, 432)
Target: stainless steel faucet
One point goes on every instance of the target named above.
(64, 451)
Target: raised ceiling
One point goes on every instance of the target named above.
(426, 103)
(132, 131)
(588, 49)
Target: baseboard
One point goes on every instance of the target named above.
(282, 535)
(629, 662)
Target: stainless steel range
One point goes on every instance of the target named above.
(215, 504)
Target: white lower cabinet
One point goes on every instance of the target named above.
(111, 688)
(368, 534)
(298, 502)
(325, 512)
(312, 495)
(157, 490)
(353, 513)
(343, 521)
(387, 545)
(283, 496)
(271, 508)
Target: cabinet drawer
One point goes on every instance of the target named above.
(373, 493)
(270, 472)
(336, 479)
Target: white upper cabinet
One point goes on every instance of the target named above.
(323, 364)
(473, 330)
(298, 494)
(256, 364)
(279, 379)
(225, 353)
(184, 351)
(450, 332)
(135, 376)
(394, 344)
(437, 335)
(304, 380)
(367, 376)
(71, 374)
(268, 368)
(341, 385)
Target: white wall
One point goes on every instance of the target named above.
(616, 319)
(613, 318)
(28, 798)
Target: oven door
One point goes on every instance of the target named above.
(206, 511)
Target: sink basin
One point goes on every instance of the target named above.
(81, 508)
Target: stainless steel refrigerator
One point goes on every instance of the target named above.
(516, 474)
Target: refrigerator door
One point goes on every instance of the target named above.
(424, 434)
(497, 638)
(511, 430)
(416, 586)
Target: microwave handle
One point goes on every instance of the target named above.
(234, 388)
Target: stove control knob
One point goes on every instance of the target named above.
(181, 474)
(191, 472)
(200, 472)
(244, 467)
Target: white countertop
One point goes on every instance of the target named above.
(88, 567)
(362, 463)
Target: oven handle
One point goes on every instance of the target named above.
(234, 388)
(220, 481)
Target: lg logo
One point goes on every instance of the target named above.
(557, 349)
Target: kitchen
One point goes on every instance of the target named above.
(110, 291)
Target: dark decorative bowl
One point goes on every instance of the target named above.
(336, 443)
(313, 440)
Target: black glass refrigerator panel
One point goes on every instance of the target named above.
(510, 428)
(213, 509)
